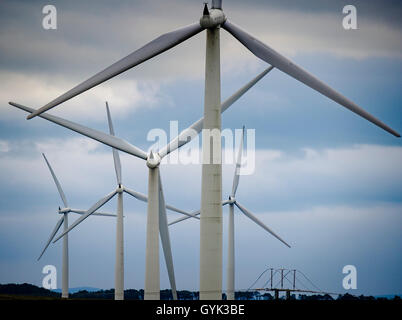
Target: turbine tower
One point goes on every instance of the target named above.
(211, 213)
(230, 271)
(161, 210)
(109, 139)
(63, 221)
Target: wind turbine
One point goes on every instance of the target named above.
(212, 21)
(230, 291)
(119, 265)
(152, 253)
(63, 220)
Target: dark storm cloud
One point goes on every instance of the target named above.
(388, 11)
(96, 33)
(90, 33)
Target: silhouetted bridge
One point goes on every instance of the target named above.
(286, 281)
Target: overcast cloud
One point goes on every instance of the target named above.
(327, 181)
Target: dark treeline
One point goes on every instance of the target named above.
(29, 290)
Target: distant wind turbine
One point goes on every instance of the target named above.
(154, 221)
(64, 220)
(230, 291)
(119, 266)
(212, 20)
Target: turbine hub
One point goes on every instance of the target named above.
(120, 189)
(153, 160)
(232, 200)
(213, 19)
(64, 210)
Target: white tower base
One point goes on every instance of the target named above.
(211, 190)
(64, 271)
(152, 276)
(119, 268)
(230, 292)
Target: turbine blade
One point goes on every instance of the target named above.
(116, 157)
(104, 138)
(239, 93)
(249, 215)
(135, 194)
(143, 197)
(78, 211)
(188, 215)
(103, 214)
(153, 48)
(56, 228)
(274, 58)
(194, 214)
(193, 130)
(238, 165)
(90, 211)
(165, 239)
(56, 181)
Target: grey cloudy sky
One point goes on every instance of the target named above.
(325, 180)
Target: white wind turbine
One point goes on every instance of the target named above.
(212, 21)
(119, 264)
(63, 220)
(230, 290)
(155, 215)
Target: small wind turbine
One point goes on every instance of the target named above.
(156, 218)
(119, 266)
(212, 21)
(230, 291)
(63, 220)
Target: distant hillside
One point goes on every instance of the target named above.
(77, 289)
(26, 289)
(29, 291)
(389, 296)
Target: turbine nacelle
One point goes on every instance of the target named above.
(212, 18)
(153, 160)
(232, 200)
(64, 210)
